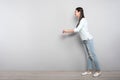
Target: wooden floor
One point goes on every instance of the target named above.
(60, 75)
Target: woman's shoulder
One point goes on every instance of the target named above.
(84, 20)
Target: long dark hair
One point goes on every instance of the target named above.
(80, 9)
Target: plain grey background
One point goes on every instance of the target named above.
(31, 34)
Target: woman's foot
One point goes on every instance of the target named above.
(96, 74)
(86, 73)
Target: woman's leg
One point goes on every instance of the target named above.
(89, 61)
(93, 56)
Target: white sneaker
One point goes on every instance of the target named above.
(96, 74)
(86, 73)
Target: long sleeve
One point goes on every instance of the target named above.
(81, 25)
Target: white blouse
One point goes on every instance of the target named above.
(83, 30)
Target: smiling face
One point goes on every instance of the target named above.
(77, 13)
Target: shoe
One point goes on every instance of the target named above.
(96, 74)
(86, 73)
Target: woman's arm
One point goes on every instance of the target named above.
(68, 31)
(81, 25)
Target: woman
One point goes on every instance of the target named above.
(87, 40)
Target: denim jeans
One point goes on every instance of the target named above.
(92, 61)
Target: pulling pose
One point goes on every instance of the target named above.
(87, 40)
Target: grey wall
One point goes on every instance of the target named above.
(31, 34)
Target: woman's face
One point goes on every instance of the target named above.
(77, 14)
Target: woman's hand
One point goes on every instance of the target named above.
(63, 31)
